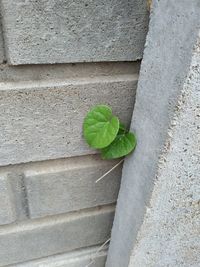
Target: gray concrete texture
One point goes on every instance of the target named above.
(172, 34)
(71, 187)
(51, 211)
(170, 233)
(56, 187)
(53, 208)
(63, 31)
(35, 239)
(81, 258)
(7, 207)
(43, 119)
(1, 43)
(56, 72)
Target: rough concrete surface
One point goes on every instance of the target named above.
(172, 34)
(43, 119)
(51, 211)
(55, 72)
(71, 187)
(170, 234)
(88, 257)
(34, 239)
(50, 187)
(1, 43)
(7, 210)
(74, 31)
(55, 187)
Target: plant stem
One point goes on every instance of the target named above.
(100, 178)
(98, 250)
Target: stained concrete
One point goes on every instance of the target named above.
(171, 229)
(172, 34)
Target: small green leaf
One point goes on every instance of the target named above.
(121, 146)
(100, 127)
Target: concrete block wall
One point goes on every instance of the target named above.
(57, 59)
(66, 31)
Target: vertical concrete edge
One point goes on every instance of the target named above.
(2, 54)
(173, 32)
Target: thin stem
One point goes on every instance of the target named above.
(98, 250)
(100, 178)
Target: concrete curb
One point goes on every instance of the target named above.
(172, 34)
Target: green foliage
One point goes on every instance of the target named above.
(100, 127)
(102, 130)
(121, 146)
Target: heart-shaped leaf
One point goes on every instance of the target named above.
(100, 127)
(121, 146)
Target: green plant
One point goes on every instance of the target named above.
(102, 130)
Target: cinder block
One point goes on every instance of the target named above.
(19, 196)
(71, 186)
(43, 119)
(7, 207)
(35, 239)
(81, 258)
(66, 31)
